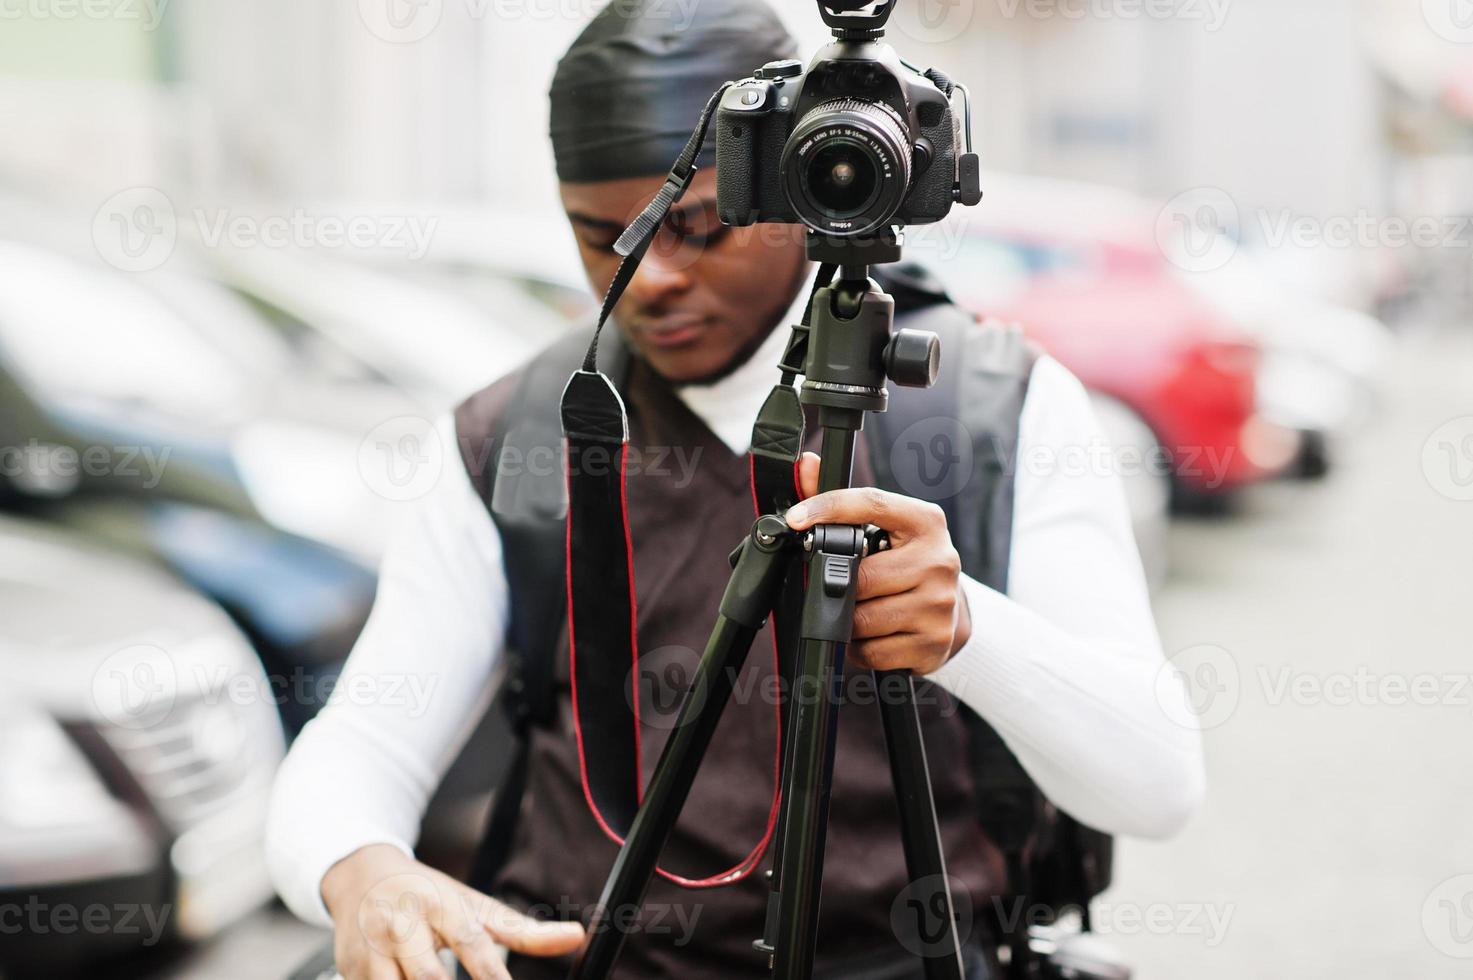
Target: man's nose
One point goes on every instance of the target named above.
(658, 279)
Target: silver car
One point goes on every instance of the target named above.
(138, 739)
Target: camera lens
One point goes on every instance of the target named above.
(846, 166)
(840, 178)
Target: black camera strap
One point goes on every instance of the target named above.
(602, 604)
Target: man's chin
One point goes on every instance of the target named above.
(686, 366)
(704, 360)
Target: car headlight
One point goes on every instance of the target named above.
(57, 820)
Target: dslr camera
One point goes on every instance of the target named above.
(856, 141)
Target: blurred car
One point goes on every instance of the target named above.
(490, 291)
(1079, 268)
(137, 748)
(179, 361)
(199, 442)
(437, 331)
(1322, 364)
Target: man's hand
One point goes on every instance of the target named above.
(391, 915)
(911, 612)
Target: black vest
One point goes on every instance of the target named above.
(954, 444)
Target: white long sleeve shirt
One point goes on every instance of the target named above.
(1065, 666)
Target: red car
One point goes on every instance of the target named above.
(1080, 269)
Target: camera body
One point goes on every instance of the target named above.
(854, 142)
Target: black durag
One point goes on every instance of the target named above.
(630, 89)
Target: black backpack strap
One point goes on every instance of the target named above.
(520, 476)
(956, 444)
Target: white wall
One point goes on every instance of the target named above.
(302, 101)
(1277, 105)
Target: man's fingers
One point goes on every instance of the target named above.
(464, 933)
(529, 936)
(904, 517)
(892, 652)
(886, 573)
(422, 965)
(876, 618)
(380, 968)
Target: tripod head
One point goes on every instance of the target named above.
(851, 346)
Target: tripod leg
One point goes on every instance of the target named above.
(828, 620)
(799, 877)
(924, 860)
(762, 560)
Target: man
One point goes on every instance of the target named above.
(1064, 666)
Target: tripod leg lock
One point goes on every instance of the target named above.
(833, 563)
(758, 566)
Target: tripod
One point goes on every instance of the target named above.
(846, 355)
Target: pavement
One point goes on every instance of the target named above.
(1323, 631)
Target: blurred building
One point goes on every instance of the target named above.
(441, 101)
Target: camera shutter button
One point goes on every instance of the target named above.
(751, 96)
